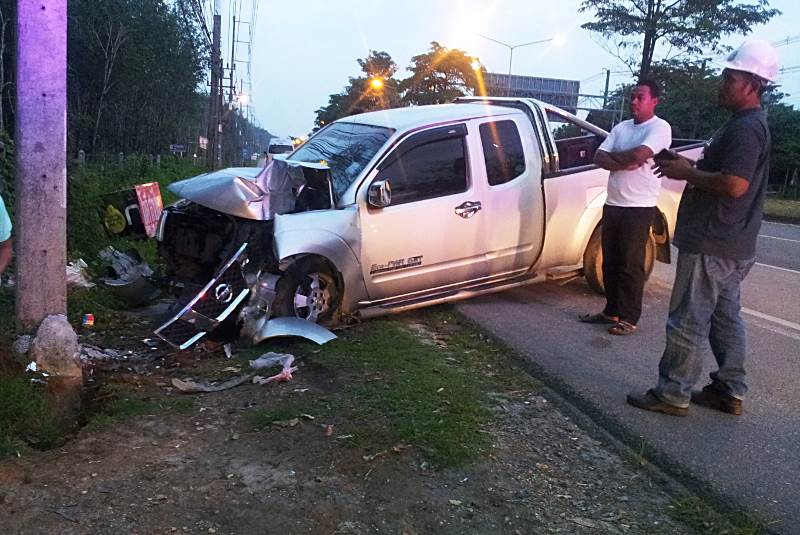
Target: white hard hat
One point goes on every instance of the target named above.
(756, 57)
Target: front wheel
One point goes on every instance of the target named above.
(593, 259)
(308, 290)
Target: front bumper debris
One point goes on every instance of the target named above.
(211, 306)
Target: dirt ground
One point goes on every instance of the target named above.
(205, 469)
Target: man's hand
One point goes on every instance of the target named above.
(679, 168)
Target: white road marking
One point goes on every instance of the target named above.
(777, 238)
(781, 224)
(779, 268)
(794, 328)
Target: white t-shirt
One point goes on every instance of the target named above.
(640, 187)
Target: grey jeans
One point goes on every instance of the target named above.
(705, 305)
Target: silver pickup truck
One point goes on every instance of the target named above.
(392, 210)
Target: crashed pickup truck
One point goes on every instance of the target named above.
(392, 210)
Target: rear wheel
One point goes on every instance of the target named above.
(593, 259)
(308, 290)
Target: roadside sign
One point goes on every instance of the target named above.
(177, 147)
(150, 206)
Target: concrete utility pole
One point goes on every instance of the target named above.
(215, 98)
(40, 234)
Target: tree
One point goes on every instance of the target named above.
(688, 25)
(360, 95)
(440, 75)
(784, 126)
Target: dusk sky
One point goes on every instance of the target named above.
(304, 52)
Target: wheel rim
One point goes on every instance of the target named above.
(313, 299)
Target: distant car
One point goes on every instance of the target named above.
(396, 209)
(279, 146)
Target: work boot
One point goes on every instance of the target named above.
(716, 396)
(650, 402)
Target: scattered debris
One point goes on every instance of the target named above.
(77, 274)
(328, 430)
(268, 360)
(286, 423)
(191, 387)
(286, 326)
(128, 276)
(370, 458)
(456, 502)
(228, 350)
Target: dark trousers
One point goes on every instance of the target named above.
(625, 234)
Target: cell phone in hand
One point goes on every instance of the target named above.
(665, 154)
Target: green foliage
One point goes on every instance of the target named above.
(784, 126)
(634, 28)
(85, 232)
(26, 416)
(439, 76)
(7, 172)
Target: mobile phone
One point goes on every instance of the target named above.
(665, 154)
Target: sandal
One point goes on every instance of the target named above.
(600, 317)
(622, 328)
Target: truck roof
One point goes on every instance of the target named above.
(415, 116)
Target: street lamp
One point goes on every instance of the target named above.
(557, 40)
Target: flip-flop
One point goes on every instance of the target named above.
(622, 328)
(598, 318)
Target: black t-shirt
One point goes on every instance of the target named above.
(724, 226)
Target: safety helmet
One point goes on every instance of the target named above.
(756, 57)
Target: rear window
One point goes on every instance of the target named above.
(502, 151)
(280, 149)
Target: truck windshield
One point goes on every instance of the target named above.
(346, 148)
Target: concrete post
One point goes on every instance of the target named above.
(40, 234)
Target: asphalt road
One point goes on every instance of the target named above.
(753, 459)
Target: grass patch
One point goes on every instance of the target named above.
(782, 208)
(26, 417)
(122, 405)
(425, 382)
(703, 518)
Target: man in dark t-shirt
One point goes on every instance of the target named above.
(718, 222)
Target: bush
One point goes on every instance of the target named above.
(26, 417)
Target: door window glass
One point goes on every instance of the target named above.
(576, 145)
(502, 151)
(433, 169)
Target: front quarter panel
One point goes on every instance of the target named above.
(332, 234)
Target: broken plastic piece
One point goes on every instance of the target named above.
(77, 276)
(194, 387)
(294, 327)
(267, 360)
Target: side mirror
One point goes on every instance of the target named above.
(380, 194)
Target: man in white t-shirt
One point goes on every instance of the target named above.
(633, 190)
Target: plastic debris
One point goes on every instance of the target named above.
(286, 423)
(286, 326)
(32, 367)
(228, 350)
(87, 320)
(129, 276)
(77, 275)
(191, 387)
(268, 360)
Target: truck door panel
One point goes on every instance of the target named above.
(513, 202)
(430, 236)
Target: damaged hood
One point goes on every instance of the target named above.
(257, 193)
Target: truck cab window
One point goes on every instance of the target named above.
(428, 170)
(502, 151)
(576, 145)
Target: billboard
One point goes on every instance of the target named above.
(555, 91)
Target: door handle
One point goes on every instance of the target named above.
(468, 209)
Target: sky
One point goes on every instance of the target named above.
(303, 52)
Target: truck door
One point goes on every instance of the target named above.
(430, 235)
(513, 202)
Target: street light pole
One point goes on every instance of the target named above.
(511, 53)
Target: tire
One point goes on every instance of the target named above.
(593, 259)
(308, 290)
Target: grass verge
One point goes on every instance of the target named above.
(699, 515)
(423, 380)
(782, 208)
(115, 405)
(26, 417)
